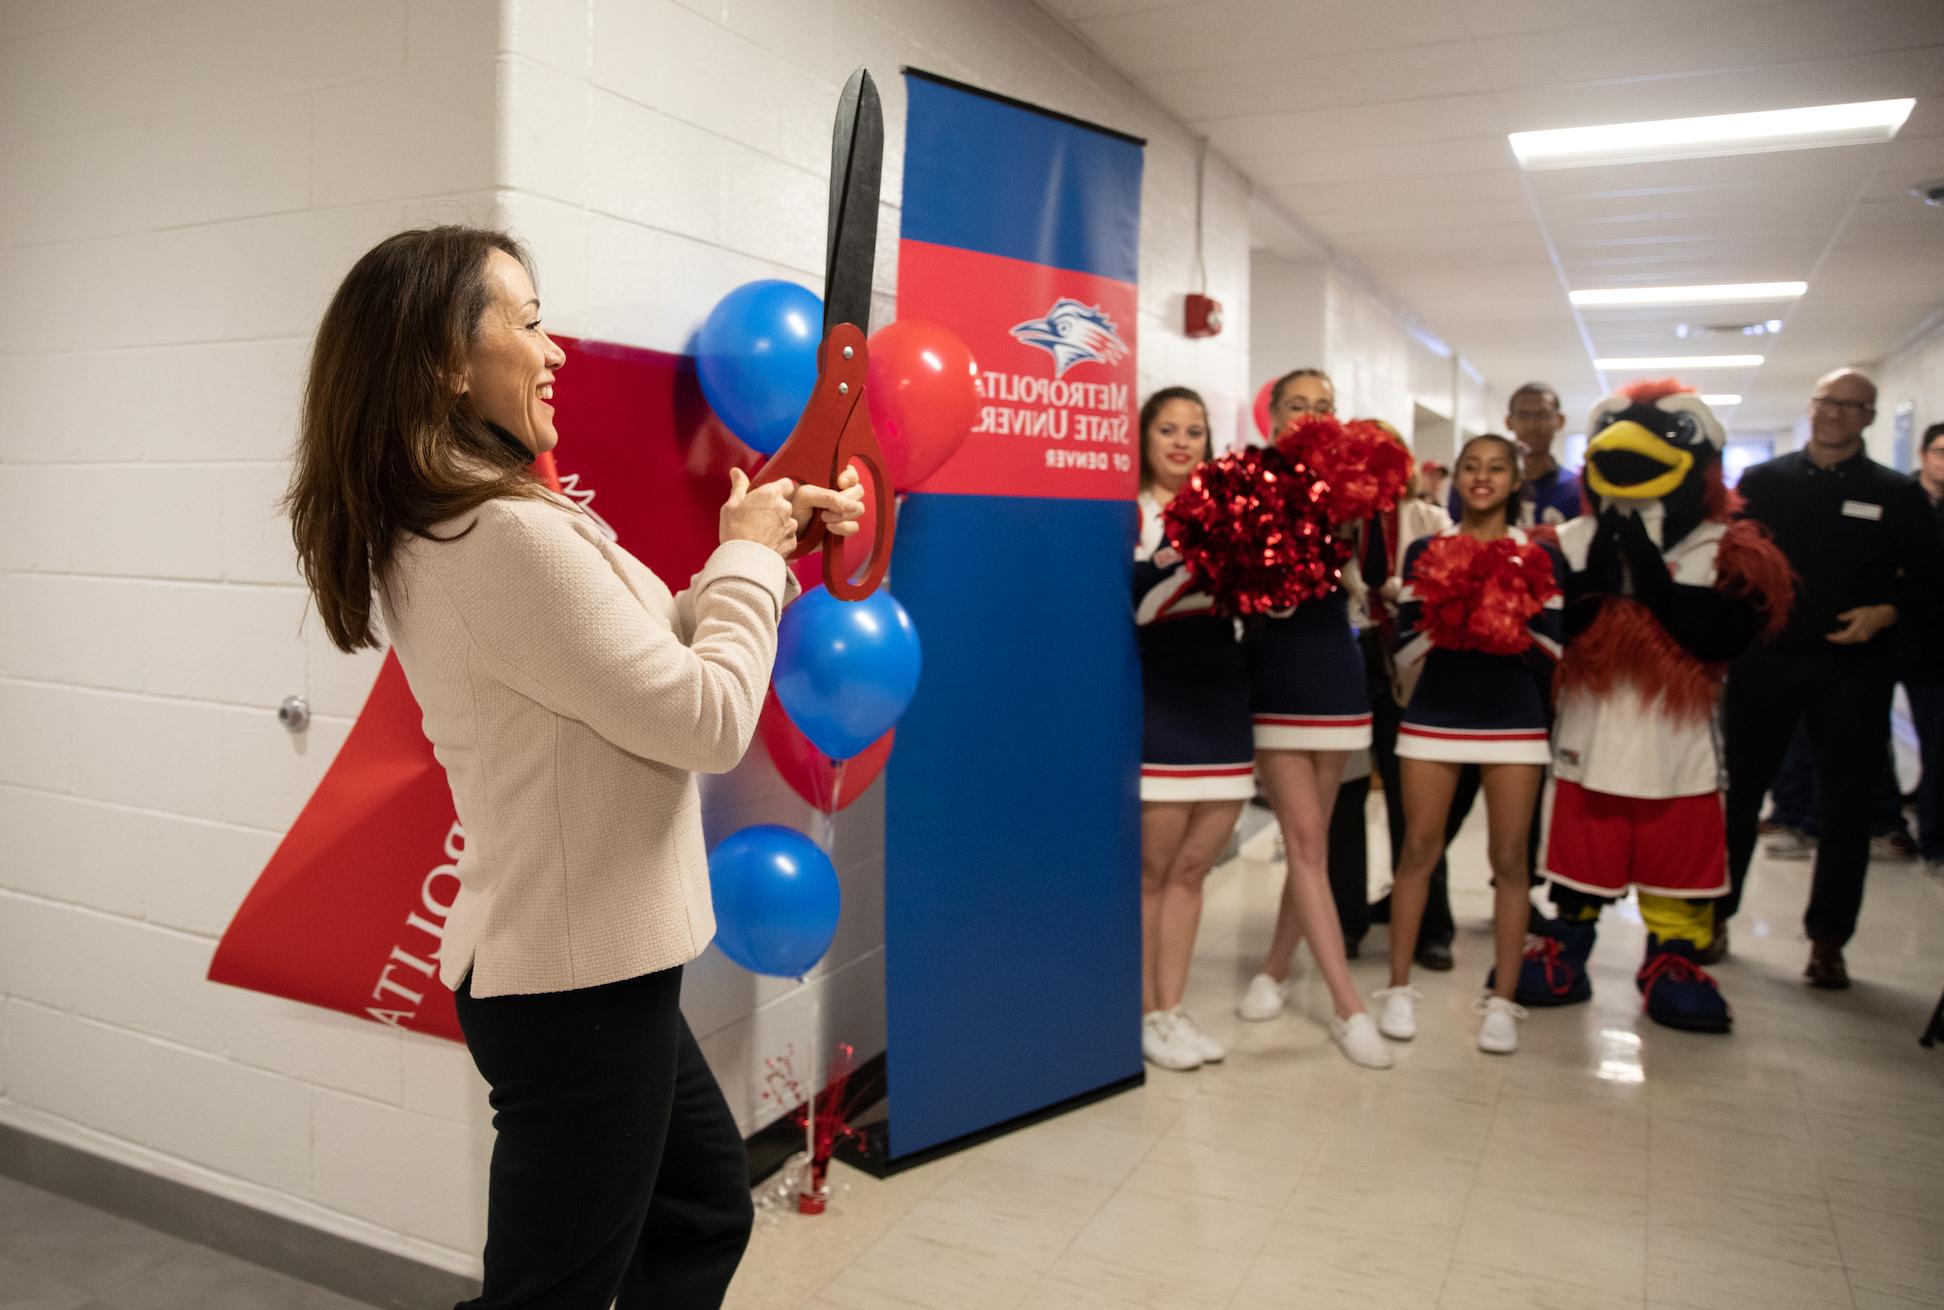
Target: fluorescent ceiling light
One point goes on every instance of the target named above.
(1677, 362)
(1722, 401)
(1715, 134)
(1725, 293)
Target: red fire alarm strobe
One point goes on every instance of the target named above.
(1204, 316)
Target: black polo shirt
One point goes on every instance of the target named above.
(1856, 534)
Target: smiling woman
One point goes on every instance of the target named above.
(571, 697)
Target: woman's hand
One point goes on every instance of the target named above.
(762, 514)
(841, 508)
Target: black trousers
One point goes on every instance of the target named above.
(1844, 701)
(618, 1173)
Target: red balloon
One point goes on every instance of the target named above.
(923, 390)
(828, 784)
(1262, 408)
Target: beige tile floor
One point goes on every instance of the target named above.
(1609, 1164)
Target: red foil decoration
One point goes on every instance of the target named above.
(1480, 595)
(1361, 468)
(1252, 529)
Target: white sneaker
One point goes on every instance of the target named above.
(1397, 1016)
(1210, 1050)
(1792, 846)
(1358, 1039)
(1499, 1034)
(1263, 1000)
(1164, 1044)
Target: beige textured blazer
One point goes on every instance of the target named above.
(572, 700)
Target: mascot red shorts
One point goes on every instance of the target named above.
(1602, 843)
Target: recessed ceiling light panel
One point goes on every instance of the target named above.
(1724, 293)
(1722, 401)
(1676, 362)
(1714, 134)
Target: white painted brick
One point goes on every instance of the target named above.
(194, 874)
(242, 645)
(544, 145)
(81, 1071)
(84, 631)
(46, 849)
(44, 196)
(180, 873)
(440, 1081)
(153, 521)
(255, 535)
(229, 401)
(18, 20)
(334, 682)
(674, 60)
(35, 960)
(241, 1121)
(412, 1172)
(468, 208)
(139, 976)
(35, 527)
(557, 33)
(409, 134)
(796, 31)
(44, 281)
(731, 196)
(37, 749)
(212, 164)
(319, 1047)
(556, 235)
(441, 31)
(654, 289)
(153, 753)
(268, 773)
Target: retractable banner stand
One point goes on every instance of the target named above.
(1012, 841)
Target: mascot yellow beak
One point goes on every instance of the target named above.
(1633, 439)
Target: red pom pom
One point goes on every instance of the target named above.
(1480, 595)
(1362, 470)
(1251, 532)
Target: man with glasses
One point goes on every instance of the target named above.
(1864, 546)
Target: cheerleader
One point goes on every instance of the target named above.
(1197, 757)
(1480, 699)
(1311, 709)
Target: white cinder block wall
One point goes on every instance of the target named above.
(181, 185)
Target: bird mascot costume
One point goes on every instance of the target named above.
(1664, 587)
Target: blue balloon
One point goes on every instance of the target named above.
(845, 670)
(776, 900)
(756, 357)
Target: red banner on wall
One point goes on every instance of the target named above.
(350, 912)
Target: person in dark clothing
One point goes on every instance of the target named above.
(1864, 544)
(1923, 679)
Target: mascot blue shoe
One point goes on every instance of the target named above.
(1554, 969)
(1679, 993)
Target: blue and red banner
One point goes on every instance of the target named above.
(1012, 838)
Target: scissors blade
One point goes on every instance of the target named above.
(856, 160)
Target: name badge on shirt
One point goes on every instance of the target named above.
(1862, 509)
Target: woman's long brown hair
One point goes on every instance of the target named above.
(387, 445)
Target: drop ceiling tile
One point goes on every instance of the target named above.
(1703, 42)
(1436, 118)
(1352, 78)
(1481, 154)
(1505, 17)
(1573, 94)
(1212, 35)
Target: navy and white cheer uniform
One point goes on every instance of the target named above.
(1470, 706)
(1195, 742)
(1307, 686)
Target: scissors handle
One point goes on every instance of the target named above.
(833, 431)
